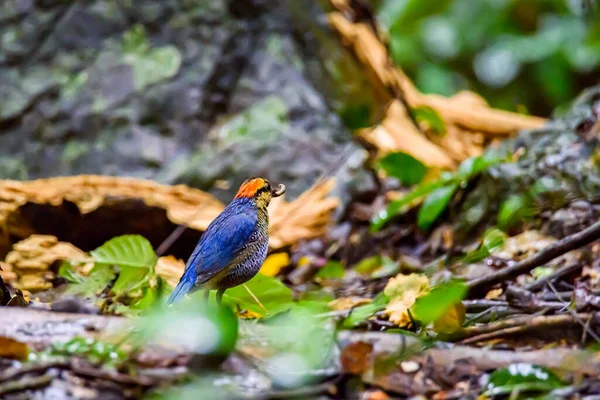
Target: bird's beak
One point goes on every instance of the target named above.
(279, 191)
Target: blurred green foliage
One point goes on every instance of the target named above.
(525, 55)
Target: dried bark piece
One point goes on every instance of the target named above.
(306, 217)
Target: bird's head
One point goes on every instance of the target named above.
(259, 190)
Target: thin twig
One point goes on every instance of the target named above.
(13, 373)
(557, 249)
(559, 273)
(574, 314)
(25, 383)
(254, 297)
(526, 322)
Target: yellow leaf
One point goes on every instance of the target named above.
(452, 320)
(11, 348)
(403, 291)
(274, 263)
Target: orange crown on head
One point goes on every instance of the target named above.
(250, 187)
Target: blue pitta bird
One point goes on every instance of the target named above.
(234, 246)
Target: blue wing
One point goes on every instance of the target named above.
(224, 238)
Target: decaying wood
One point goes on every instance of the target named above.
(469, 120)
(182, 204)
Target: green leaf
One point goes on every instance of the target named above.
(99, 278)
(434, 205)
(521, 378)
(361, 313)
(434, 304)
(134, 256)
(66, 271)
(271, 292)
(492, 239)
(472, 166)
(356, 116)
(377, 267)
(331, 270)
(514, 210)
(94, 350)
(396, 206)
(126, 251)
(431, 118)
(404, 167)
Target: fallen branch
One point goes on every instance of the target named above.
(26, 383)
(518, 325)
(559, 273)
(557, 249)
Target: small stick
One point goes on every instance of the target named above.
(535, 323)
(557, 249)
(559, 273)
(530, 322)
(26, 383)
(255, 298)
(575, 316)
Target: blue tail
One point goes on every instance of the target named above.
(183, 287)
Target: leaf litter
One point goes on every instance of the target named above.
(330, 302)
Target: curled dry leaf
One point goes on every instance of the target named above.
(403, 291)
(346, 303)
(31, 259)
(306, 217)
(529, 243)
(470, 122)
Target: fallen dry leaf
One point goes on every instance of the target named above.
(529, 243)
(403, 291)
(346, 303)
(356, 357)
(274, 263)
(10, 348)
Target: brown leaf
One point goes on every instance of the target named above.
(346, 303)
(10, 348)
(356, 357)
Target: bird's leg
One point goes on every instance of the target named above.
(206, 295)
(220, 295)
